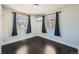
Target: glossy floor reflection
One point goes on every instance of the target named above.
(37, 45)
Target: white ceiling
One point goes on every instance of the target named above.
(31, 9)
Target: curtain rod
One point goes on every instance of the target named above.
(52, 13)
(20, 13)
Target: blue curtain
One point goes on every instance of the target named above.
(14, 31)
(43, 25)
(57, 28)
(29, 25)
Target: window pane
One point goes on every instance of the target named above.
(21, 23)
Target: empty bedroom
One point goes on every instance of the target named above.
(40, 28)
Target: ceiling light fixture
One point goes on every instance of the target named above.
(36, 4)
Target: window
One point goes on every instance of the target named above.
(51, 23)
(21, 21)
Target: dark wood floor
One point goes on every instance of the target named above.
(64, 49)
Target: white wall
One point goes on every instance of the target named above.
(7, 23)
(69, 24)
(7, 27)
(0, 27)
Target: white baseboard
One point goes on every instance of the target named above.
(63, 42)
(16, 39)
